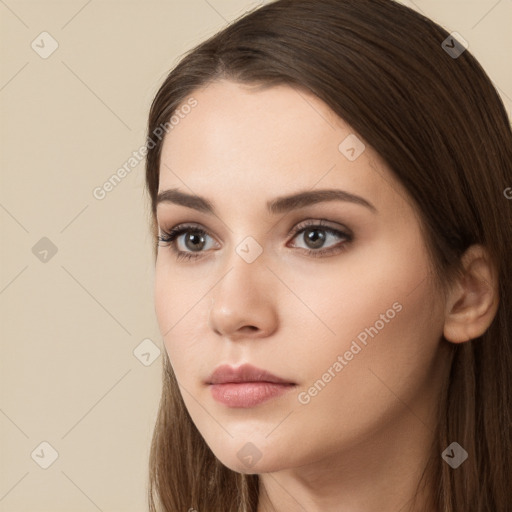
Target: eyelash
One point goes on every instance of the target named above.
(171, 235)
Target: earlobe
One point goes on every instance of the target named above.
(473, 300)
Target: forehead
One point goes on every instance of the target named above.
(230, 118)
(251, 143)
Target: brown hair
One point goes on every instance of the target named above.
(440, 125)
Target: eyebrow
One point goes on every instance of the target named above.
(275, 206)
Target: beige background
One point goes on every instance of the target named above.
(70, 321)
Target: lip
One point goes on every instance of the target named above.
(247, 394)
(225, 374)
(246, 385)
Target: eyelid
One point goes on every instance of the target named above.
(319, 223)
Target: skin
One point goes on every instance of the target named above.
(361, 443)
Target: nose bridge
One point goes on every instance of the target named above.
(245, 269)
(242, 297)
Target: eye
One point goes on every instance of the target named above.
(316, 234)
(194, 240)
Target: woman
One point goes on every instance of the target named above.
(328, 183)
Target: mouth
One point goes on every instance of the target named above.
(246, 386)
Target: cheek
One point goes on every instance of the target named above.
(163, 298)
(380, 298)
(181, 315)
(175, 293)
(339, 299)
(365, 378)
(386, 324)
(170, 305)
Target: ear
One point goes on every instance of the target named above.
(473, 300)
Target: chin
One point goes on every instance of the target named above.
(250, 462)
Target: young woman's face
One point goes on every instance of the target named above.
(345, 311)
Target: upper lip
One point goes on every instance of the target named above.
(244, 373)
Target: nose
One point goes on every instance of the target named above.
(244, 302)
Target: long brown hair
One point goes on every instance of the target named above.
(439, 123)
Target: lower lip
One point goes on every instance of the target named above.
(247, 394)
